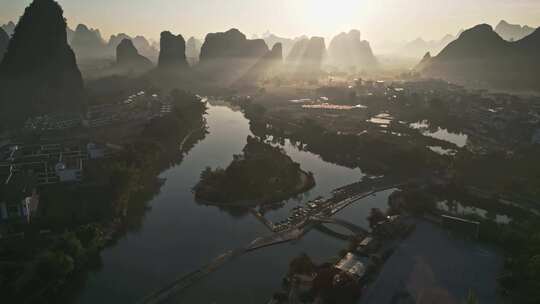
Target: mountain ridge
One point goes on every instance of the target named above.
(481, 56)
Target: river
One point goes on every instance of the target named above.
(178, 235)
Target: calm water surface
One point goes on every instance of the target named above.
(458, 139)
(179, 235)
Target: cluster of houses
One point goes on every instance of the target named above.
(24, 168)
(138, 107)
(487, 118)
(52, 122)
(352, 271)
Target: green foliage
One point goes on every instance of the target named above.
(113, 188)
(413, 200)
(54, 266)
(521, 241)
(534, 266)
(91, 238)
(43, 276)
(40, 267)
(123, 182)
(70, 245)
(187, 105)
(301, 265)
(375, 216)
(381, 153)
(262, 172)
(471, 298)
(517, 174)
(254, 111)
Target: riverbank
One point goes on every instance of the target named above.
(307, 182)
(83, 218)
(130, 271)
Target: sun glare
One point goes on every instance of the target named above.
(332, 9)
(328, 16)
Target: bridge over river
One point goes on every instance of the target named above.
(343, 197)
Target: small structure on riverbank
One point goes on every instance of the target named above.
(351, 265)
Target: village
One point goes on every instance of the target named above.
(68, 144)
(368, 269)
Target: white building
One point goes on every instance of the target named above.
(67, 173)
(350, 264)
(95, 151)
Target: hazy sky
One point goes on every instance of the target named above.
(377, 19)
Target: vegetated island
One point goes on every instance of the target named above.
(262, 174)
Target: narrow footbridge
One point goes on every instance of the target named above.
(185, 281)
(343, 197)
(348, 225)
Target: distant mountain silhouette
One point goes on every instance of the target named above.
(286, 43)
(115, 40)
(231, 44)
(297, 51)
(193, 50)
(425, 61)
(513, 32)
(140, 43)
(480, 56)
(226, 57)
(347, 50)
(427, 57)
(145, 48)
(418, 47)
(172, 55)
(268, 66)
(9, 28)
(306, 58)
(276, 53)
(88, 44)
(4, 42)
(70, 34)
(39, 72)
(129, 60)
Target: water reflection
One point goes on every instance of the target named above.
(382, 119)
(456, 208)
(442, 151)
(459, 139)
(178, 235)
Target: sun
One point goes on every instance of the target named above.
(328, 15)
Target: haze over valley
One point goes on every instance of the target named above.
(278, 152)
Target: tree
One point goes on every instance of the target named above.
(254, 112)
(301, 265)
(70, 245)
(471, 298)
(534, 266)
(376, 216)
(54, 265)
(206, 175)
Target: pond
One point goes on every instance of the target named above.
(458, 139)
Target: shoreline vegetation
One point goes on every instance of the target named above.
(262, 174)
(494, 180)
(112, 199)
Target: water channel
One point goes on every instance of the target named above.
(178, 235)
